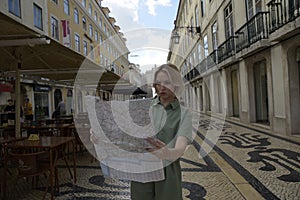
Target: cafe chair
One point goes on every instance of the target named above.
(31, 165)
(62, 156)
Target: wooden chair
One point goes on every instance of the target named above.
(30, 165)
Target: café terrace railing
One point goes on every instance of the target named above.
(260, 26)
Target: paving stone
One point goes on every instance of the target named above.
(244, 164)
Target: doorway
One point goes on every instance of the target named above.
(235, 94)
(261, 93)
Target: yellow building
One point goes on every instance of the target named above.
(49, 39)
(86, 27)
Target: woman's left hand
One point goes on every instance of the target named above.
(159, 148)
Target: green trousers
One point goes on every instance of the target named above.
(170, 188)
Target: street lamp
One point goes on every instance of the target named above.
(176, 37)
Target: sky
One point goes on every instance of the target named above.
(147, 26)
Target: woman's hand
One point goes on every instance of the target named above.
(159, 148)
(161, 151)
(93, 138)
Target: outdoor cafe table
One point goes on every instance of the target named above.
(49, 143)
(35, 129)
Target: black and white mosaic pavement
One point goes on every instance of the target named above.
(269, 163)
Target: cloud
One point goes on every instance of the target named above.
(151, 4)
(124, 8)
(150, 44)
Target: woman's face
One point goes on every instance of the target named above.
(164, 88)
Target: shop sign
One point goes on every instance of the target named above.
(4, 87)
(41, 88)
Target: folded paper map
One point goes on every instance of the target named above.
(122, 128)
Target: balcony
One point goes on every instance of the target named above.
(226, 49)
(254, 30)
(259, 27)
(212, 59)
(282, 12)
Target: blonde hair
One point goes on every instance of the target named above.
(174, 76)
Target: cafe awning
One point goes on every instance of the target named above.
(45, 57)
(4, 87)
(25, 51)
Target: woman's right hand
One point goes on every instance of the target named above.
(93, 138)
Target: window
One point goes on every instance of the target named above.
(104, 28)
(37, 13)
(96, 16)
(101, 59)
(214, 29)
(101, 40)
(205, 41)
(54, 28)
(77, 42)
(228, 21)
(96, 35)
(100, 21)
(76, 16)
(252, 10)
(91, 30)
(199, 53)
(83, 23)
(55, 1)
(90, 9)
(14, 7)
(202, 8)
(84, 3)
(196, 16)
(85, 48)
(67, 7)
(92, 52)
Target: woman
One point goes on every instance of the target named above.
(172, 138)
(173, 125)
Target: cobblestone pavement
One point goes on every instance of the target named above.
(246, 163)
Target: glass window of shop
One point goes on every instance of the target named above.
(41, 102)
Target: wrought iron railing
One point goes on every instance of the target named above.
(226, 49)
(202, 67)
(257, 28)
(254, 30)
(192, 74)
(212, 59)
(282, 12)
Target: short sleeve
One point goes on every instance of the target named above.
(185, 127)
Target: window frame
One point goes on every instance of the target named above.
(84, 23)
(91, 30)
(214, 34)
(228, 21)
(14, 7)
(37, 8)
(67, 6)
(85, 50)
(76, 16)
(57, 27)
(77, 42)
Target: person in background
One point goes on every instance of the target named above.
(60, 109)
(10, 109)
(28, 111)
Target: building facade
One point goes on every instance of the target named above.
(82, 27)
(242, 61)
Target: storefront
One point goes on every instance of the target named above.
(41, 101)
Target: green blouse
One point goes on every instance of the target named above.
(170, 122)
